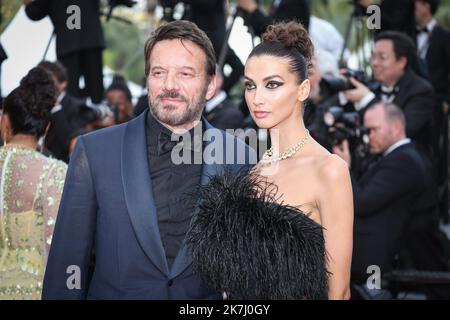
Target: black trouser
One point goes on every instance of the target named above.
(87, 63)
(444, 190)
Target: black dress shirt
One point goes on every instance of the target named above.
(173, 184)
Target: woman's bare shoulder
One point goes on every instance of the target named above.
(332, 168)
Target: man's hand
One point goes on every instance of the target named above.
(357, 94)
(27, 2)
(248, 6)
(343, 151)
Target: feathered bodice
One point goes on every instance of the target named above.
(247, 245)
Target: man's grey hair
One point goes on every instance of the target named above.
(391, 111)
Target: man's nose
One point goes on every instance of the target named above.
(171, 82)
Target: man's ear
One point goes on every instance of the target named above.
(403, 61)
(398, 127)
(211, 89)
(62, 86)
(303, 90)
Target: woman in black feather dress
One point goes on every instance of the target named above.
(285, 230)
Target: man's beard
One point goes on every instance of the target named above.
(165, 113)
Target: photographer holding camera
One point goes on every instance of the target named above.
(390, 198)
(64, 115)
(393, 60)
(328, 122)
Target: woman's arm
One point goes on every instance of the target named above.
(335, 202)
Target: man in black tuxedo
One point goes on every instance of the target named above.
(65, 115)
(79, 50)
(280, 10)
(220, 111)
(433, 46)
(393, 60)
(129, 198)
(395, 190)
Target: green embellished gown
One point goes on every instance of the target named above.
(30, 191)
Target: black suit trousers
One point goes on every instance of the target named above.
(87, 63)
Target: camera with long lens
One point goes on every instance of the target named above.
(344, 126)
(330, 84)
(95, 113)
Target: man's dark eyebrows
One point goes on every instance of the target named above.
(190, 68)
(183, 67)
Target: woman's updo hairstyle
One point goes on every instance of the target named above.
(288, 40)
(29, 105)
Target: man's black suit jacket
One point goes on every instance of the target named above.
(287, 10)
(90, 34)
(385, 198)
(226, 116)
(415, 96)
(62, 124)
(438, 60)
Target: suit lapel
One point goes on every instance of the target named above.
(434, 42)
(209, 169)
(138, 192)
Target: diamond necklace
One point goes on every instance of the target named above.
(267, 156)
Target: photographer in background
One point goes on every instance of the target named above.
(220, 111)
(392, 62)
(79, 50)
(119, 95)
(433, 48)
(64, 115)
(280, 10)
(390, 196)
(328, 122)
(396, 15)
(320, 99)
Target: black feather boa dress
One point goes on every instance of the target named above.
(246, 245)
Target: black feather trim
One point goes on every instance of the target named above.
(245, 244)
